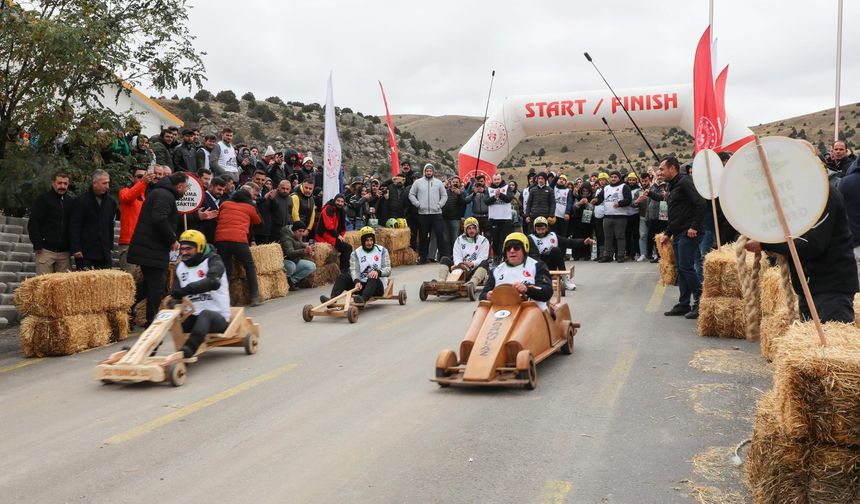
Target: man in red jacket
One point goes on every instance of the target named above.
(332, 226)
(131, 200)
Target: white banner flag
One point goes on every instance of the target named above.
(331, 146)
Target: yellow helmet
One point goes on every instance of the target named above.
(471, 221)
(520, 238)
(632, 175)
(367, 230)
(195, 237)
(540, 221)
(603, 176)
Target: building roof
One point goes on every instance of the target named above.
(150, 103)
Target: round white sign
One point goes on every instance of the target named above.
(705, 159)
(193, 197)
(800, 180)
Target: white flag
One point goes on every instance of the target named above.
(331, 146)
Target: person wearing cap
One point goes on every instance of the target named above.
(331, 228)
(541, 201)
(397, 197)
(631, 235)
(297, 266)
(428, 195)
(185, 155)
(528, 276)
(454, 209)
(614, 198)
(471, 254)
(563, 205)
(549, 247)
(369, 269)
(479, 201)
(202, 278)
(582, 219)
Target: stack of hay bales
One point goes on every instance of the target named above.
(66, 313)
(326, 260)
(397, 243)
(806, 439)
(668, 272)
(271, 279)
(779, 310)
(721, 309)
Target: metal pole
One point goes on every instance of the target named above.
(484, 124)
(619, 146)
(838, 70)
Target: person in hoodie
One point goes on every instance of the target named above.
(298, 254)
(428, 196)
(615, 198)
(582, 219)
(155, 237)
(232, 235)
(331, 228)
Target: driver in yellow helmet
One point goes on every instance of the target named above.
(471, 254)
(369, 269)
(202, 277)
(527, 275)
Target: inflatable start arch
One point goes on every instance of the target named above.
(524, 116)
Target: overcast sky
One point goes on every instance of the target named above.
(436, 57)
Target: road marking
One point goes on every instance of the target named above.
(617, 377)
(197, 406)
(410, 316)
(656, 298)
(554, 492)
(25, 363)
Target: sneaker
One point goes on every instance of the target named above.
(187, 352)
(655, 260)
(357, 298)
(678, 310)
(621, 259)
(640, 258)
(324, 298)
(693, 314)
(604, 259)
(256, 300)
(569, 285)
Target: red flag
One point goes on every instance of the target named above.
(720, 95)
(706, 116)
(392, 141)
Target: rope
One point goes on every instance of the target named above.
(787, 288)
(750, 289)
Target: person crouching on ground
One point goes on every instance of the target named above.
(549, 247)
(296, 250)
(369, 269)
(471, 254)
(525, 274)
(202, 277)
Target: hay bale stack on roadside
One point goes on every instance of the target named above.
(352, 238)
(721, 317)
(722, 306)
(324, 254)
(721, 273)
(668, 273)
(403, 257)
(323, 275)
(271, 279)
(393, 239)
(66, 313)
(773, 327)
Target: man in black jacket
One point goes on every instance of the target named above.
(92, 224)
(185, 154)
(453, 209)
(154, 238)
(541, 201)
(685, 229)
(828, 262)
(49, 227)
(398, 198)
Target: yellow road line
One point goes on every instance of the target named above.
(617, 377)
(197, 406)
(656, 298)
(410, 316)
(554, 492)
(25, 363)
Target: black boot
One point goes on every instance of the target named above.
(678, 310)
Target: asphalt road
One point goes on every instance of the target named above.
(329, 411)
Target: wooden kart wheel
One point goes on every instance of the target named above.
(527, 369)
(567, 349)
(401, 297)
(251, 343)
(446, 359)
(307, 312)
(176, 373)
(352, 314)
(422, 292)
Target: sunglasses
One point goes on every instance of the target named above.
(513, 246)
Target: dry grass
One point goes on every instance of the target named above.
(393, 239)
(722, 317)
(268, 258)
(773, 328)
(735, 362)
(64, 294)
(668, 272)
(324, 254)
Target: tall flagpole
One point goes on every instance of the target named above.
(838, 70)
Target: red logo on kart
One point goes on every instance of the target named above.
(200, 273)
(526, 274)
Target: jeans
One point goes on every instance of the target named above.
(298, 270)
(686, 252)
(453, 228)
(643, 237)
(705, 246)
(243, 254)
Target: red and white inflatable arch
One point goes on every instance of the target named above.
(524, 116)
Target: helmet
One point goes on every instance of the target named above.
(518, 237)
(401, 223)
(471, 221)
(603, 176)
(540, 221)
(195, 237)
(632, 175)
(391, 223)
(552, 220)
(367, 231)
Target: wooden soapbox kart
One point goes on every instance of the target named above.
(343, 305)
(136, 364)
(506, 339)
(451, 286)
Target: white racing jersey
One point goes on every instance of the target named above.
(612, 195)
(216, 300)
(227, 157)
(476, 250)
(526, 272)
(369, 261)
(501, 210)
(545, 244)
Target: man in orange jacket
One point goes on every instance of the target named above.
(131, 199)
(235, 218)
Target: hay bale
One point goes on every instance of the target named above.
(393, 239)
(776, 464)
(268, 258)
(324, 254)
(668, 271)
(119, 324)
(834, 474)
(352, 238)
(818, 388)
(273, 285)
(773, 296)
(322, 276)
(721, 273)
(75, 293)
(403, 257)
(773, 327)
(45, 336)
(722, 317)
(857, 310)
